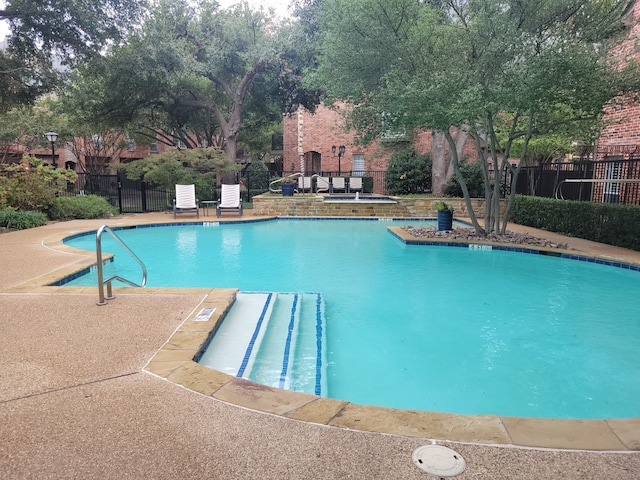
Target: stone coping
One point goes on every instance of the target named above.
(175, 363)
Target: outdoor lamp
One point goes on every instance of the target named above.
(341, 150)
(52, 137)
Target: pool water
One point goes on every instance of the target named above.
(424, 327)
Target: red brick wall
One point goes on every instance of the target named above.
(319, 131)
(622, 119)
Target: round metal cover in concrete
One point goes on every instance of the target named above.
(439, 461)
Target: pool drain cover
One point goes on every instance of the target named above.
(439, 461)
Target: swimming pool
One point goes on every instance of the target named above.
(422, 327)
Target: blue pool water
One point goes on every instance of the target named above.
(425, 327)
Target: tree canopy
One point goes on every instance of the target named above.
(500, 70)
(196, 73)
(45, 34)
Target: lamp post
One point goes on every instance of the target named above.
(52, 137)
(341, 150)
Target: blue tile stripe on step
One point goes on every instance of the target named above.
(256, 331)
(318, 345)
(287, 345)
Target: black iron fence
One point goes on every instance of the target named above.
(129, 196)
(138, 196)
(605, 181)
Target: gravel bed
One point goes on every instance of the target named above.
(469, 234)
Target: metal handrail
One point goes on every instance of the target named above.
(102, 300)
(558, 194)
(279, 180)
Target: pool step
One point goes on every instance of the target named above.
(263, 333)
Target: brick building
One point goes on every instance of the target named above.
(312, 141)
(619, 140)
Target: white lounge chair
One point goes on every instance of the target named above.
(304, 184)
(337, 183)
(322, 184)
(230, 200)
(186, 200)
(355, 184)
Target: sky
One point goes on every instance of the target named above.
(281, 7)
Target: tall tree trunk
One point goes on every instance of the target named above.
(463, 184)
(443, 169)
(439, 163)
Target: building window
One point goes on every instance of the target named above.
(131, 144)
(153, 147)
(611, 190)
(357, 168)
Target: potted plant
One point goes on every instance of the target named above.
(445, 215)
(288, 185)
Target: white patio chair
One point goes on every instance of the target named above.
(304, 184)
(355, 184)
(322, 184)
(230, 200)
(337, 183)
(186, 200)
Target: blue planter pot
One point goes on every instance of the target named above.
(287, 189)
(445, 220)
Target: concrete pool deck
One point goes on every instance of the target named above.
(83, 394)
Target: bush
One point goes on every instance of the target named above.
(408, 173)
(91, 206)
(473, 177)
(608, 223)
(32, 184)
(16, 220)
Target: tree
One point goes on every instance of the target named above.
(71, 29)
(22, 129)
(200, 166)
(499, 70)
(192, 73)
(67, 31)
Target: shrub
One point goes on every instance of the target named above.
(16, 220)
(32, 184)
(91, 206)
(601, 222)
(408, 173)
(473, 177)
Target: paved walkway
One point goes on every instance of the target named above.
(76, 402)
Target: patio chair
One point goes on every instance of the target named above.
(355, 184)
(229, 200)
(304, 184)
(337, 183)
(322, 184)
(186, 200)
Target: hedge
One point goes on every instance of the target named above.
(608, 223)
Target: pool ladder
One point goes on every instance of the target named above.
(102, 300)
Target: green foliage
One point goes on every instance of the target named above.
(501, 70)
(408, 173)
(32, 185)
(600, 222)
(198, 166)
(90, 206)
(543, 150)
(442, 206)
(474, 178)
(16, 220)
